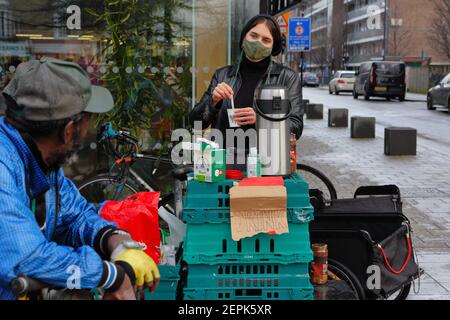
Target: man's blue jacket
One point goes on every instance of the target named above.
(51, 255)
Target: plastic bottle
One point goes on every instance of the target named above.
(253, 163)
(168, 255)
(171, 256)
(176, 226)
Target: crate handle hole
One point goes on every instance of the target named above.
(248, 293)
(224, 245)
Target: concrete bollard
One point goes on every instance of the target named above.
(338, 118)
(400, 141)
(304, 105)
(362, 127)
(314, 111)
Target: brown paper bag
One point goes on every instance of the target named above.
(255, 210)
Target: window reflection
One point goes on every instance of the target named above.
(164, 61)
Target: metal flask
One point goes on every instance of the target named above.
(273, 109)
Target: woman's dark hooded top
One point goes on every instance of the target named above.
(251, 75)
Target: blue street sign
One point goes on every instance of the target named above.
(299, 37)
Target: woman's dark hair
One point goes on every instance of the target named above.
(273, 28)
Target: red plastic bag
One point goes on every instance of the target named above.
(138, 214)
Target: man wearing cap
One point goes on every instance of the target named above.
(48, 231)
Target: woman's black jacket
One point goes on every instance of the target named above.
(217, 118)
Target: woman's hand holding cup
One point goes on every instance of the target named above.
(245, 116)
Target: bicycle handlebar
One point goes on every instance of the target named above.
(107, 133)
(22, 285)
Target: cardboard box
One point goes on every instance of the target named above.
(258, 209)
(209, 161)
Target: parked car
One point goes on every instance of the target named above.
(381, 79)
(440, 95)
(311, 79)
(343, 81)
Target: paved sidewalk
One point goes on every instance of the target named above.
(424, 181)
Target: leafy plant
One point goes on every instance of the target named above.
(139, 38)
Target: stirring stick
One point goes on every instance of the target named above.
(232, 111)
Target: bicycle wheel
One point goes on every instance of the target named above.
(401, 294)
(345, 274)
(105, 187)
(317, 180)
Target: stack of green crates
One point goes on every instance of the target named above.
(263, 267)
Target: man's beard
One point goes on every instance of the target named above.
(58, 158)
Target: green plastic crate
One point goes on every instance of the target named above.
(212, 244)
(168, 285)
(167, 288)
(203, 195)
(263, 275)
(210, 202)
(249, 294)
(199, 216)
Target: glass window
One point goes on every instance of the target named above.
(390, 68)
(157, 66)
(446, 80)
(365, 67)
(347, 75)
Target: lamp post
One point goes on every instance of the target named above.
(302, 64)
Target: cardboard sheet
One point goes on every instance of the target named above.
(257, 209)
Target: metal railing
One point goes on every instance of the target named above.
(367, 34)
(363, 11)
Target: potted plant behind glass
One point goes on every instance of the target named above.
(148, 62)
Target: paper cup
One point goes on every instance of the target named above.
(231, 119)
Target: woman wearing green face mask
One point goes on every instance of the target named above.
(260, 40)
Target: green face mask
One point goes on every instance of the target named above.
(255, 50)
